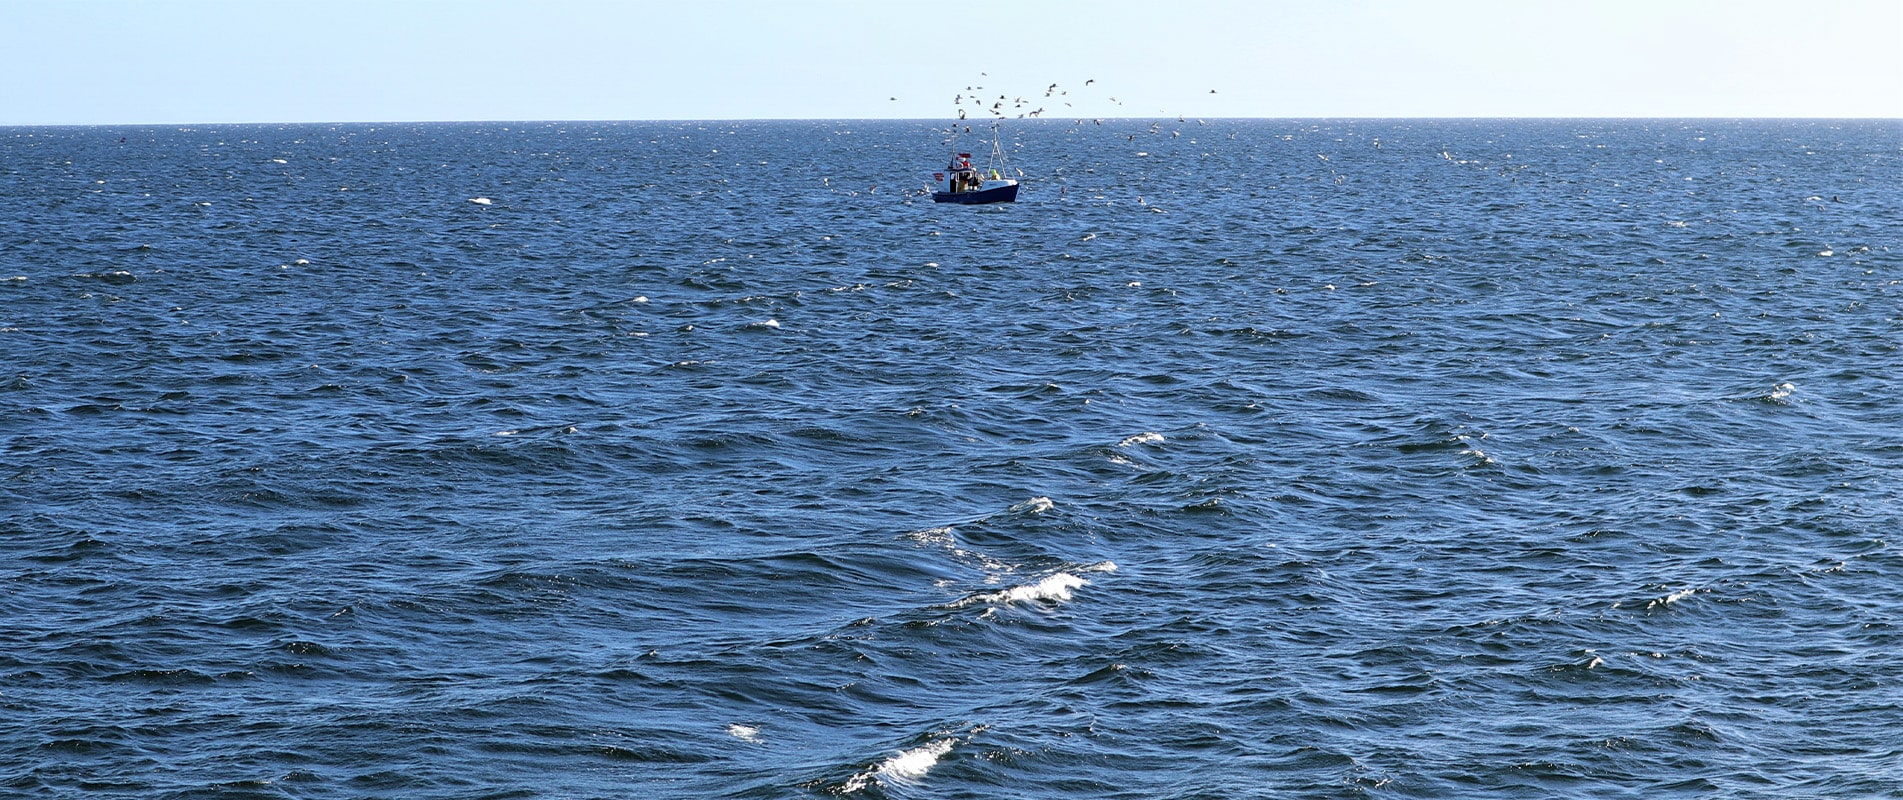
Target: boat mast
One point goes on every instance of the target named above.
(996, 162)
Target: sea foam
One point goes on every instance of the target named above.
(1670, 598)
(1035, 505)
(905, 768)
(1054, 588)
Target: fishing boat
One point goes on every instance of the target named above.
(963, 183)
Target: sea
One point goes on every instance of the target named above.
(1266, 458)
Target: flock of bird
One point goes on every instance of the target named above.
(983, 104)
(997, 108)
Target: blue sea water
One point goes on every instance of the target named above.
(1264, 458)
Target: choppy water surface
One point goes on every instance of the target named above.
(1237, 459)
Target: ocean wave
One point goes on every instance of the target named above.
(903, 769)
(385, 492)
(1056, 587)
(1035, 505)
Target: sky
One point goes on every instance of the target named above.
(85, 62)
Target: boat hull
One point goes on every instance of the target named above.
(1007, 193)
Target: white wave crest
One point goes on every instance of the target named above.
(1035, 505)
(1055, 588)
(905, 768)
(745, 733)
(1147, 437)
(1670, 598)
(946, 537)
(941, 535)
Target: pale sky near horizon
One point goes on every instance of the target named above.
(81, 62)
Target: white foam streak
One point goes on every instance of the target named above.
(745, 733)
(914, 763)
(1035, 505)
(940, 536)
(1055, 588)
(905, 768)
(1671, 598)
(1147, 437)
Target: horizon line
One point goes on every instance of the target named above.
(967, 123)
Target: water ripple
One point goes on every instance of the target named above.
(690, 459)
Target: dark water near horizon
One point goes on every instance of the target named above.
(1267, 458)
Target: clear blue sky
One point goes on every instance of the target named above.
(181, 61)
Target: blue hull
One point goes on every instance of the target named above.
(1002, 194)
